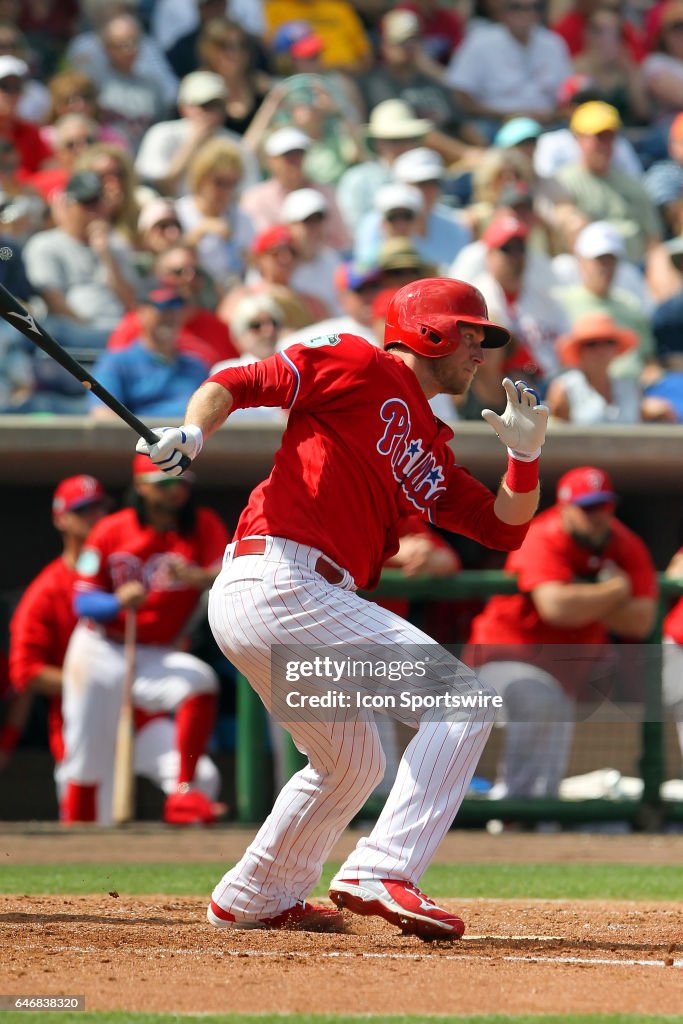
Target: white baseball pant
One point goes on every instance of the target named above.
(94, 669)
(279, 599)
(672, 683)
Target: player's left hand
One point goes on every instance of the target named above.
(523, 424)
(173, 443)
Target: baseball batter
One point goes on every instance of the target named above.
(155, 558)
(361, 449)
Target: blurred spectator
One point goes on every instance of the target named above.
(16, 365)
(183, 54)
(663, 69)
(399, 212)
(663, 181)
(663, 377)
(92, 53)
(444, 233)
(128, 101)
(400, 263)
(512, 68)
(615, 74)
(393, 129)
(672, 651)
(665, 269)
(48, 25)
(158, 228)
(401, 74)
(168, 148)
(517, 301)
(274, 259)
(227, 51)
(120, 206)
(356, 289)
(519, 133)
(210, 216)
(297, 53)
(582, 576)
(305, 211)
(499, 171)
(318, 108)
(72, 92)
(586, 393)
(285, 150)
(255, 326)
(484, 14)
(600, 190)
(171, 19)
(80, 268)
(72, 134)
(558, 148)
(598, 249)
(441, 27)
(32, 150)
(574, 26)
(152, 377)
(347, 47)
(35, 99)
(202, 333)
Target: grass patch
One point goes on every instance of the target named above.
(124, 1017)
(469, 881)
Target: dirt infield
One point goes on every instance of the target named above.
(157, 953)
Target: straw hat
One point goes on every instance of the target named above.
(593, 327)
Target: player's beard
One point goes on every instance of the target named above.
(453, 380)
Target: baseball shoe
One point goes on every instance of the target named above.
(303, 917)
(189, 806)
(399, 903)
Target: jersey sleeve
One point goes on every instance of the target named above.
(31, 638)
(634, 558)
(91, 570)
(466, 507)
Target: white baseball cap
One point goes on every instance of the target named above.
(286, 140)
(12, 66)
(395, 119)
(399, 197)
(599, 239)
(418, 165)
(201, 87)
(302, 203)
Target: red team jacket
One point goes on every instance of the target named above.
(119, 549)
(362, 449)
(39, 633)
(549, 554)
(673, 623)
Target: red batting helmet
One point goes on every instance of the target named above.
(422, 316)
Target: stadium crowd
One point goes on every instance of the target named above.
(187, 184)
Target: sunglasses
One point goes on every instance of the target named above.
(74, 97)
(314, 218)
(225, 183)
(187, 271)
(125, 44)
(12, 85)
(164, 225)
(78, 143)
(394, 216)
(256, 325)
(513, 248)
(229, 45)
(599, 343)
(212, 105)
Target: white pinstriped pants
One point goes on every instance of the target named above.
(278, 599)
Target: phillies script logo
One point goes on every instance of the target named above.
(155, 573)
(418, 472)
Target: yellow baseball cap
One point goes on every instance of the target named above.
(594, 117)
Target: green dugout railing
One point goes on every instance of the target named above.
(253, 765)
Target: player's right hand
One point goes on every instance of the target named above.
(173, 443)
(131, 594)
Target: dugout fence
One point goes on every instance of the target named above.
(626, 756)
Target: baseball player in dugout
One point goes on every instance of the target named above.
(154, 558)
(583, 577)
(361, 449)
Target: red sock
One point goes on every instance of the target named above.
(194, 722)
(79, 802)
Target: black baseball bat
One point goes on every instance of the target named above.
(15, 314)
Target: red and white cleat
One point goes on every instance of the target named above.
(189, 806)
(399, 903)
(302, 917)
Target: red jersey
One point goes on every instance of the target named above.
(119, 549)
(673, 623)
(39, 634)
(550, 554)
(572, 28)
(32, 148)
(203, 335)
(362, 448)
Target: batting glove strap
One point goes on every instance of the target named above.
(524, 456)
(523, 424)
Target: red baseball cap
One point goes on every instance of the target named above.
(585, 486)
(76, 492)
(381, 301)
(273, 238)
(502, 229)
(349, 277)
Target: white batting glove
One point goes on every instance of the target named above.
(173, 443)
(523, 424)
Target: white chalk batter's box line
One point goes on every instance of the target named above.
(302, 954)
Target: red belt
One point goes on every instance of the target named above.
(257, 546)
